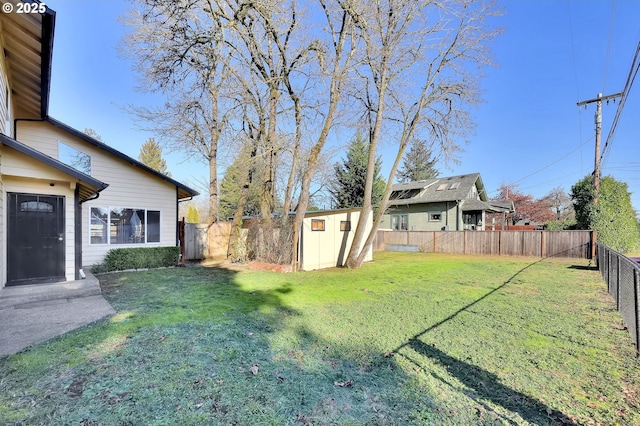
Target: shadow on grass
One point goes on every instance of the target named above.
(200, 346)
(584, 267)
(485, 385)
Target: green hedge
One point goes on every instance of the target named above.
(138, 258)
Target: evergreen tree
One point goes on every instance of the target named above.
(612, 216)
(231, 186)
(192, 215)
(151, 155)
(417, 163)
(347, 187)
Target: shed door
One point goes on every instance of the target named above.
(35, 243)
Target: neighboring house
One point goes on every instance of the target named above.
(65, 198)
(449, 203)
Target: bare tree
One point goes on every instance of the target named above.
(335, 59)
(560, 203)
(420, 70)
(178, 50)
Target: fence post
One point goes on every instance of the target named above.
(464, 248)
(618, 282)
(543, 244)
(594, 236)
(435, 246)
(636, 291)
(609, 269)
(181, 235)
(500, 242)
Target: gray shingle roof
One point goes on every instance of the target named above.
(436, 190)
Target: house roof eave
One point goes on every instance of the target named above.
(90, 185)
(184, 191)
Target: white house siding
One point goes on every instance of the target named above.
(3, 253)
(329, 248)
(22, 174)
(129, 186)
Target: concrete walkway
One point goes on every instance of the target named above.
(31, 314)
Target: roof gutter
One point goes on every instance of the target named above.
(48, 30)
(95, 197)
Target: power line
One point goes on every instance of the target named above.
(555, 161)
(635, 65)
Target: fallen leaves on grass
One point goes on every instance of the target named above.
(343, 384)
(254, 369)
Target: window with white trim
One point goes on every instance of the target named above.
(120, 225)
(400, 222)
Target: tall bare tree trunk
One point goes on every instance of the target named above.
(341, 66)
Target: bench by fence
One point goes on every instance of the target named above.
(576, 244)
(622, 276)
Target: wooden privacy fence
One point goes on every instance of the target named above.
(576, 244)
(202, 241)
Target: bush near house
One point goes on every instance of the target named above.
(138, 258)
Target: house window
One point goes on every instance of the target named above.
(317, 224)
(345, 225)
(435, 217)
(442, 187)
(400, 222)
(99, 225)
(124, 226)
(74, 158)
(455, 185)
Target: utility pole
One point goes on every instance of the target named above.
(598, 123)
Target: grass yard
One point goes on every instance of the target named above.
(408, 339)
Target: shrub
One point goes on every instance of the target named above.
(559, 225)
(613, 216)
(138, 258)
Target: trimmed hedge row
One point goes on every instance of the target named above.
(138, 258)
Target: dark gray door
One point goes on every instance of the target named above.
(35, 238)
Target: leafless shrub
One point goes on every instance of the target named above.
(270, 241)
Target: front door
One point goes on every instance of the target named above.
(35, 243)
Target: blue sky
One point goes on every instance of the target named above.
(553, 53)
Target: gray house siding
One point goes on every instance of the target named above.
(422, 217)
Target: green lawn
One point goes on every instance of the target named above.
(408, 339)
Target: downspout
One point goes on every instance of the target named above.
(177, 219)
(95, 197)
(77, 232)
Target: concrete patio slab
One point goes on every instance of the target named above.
(32, 314)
